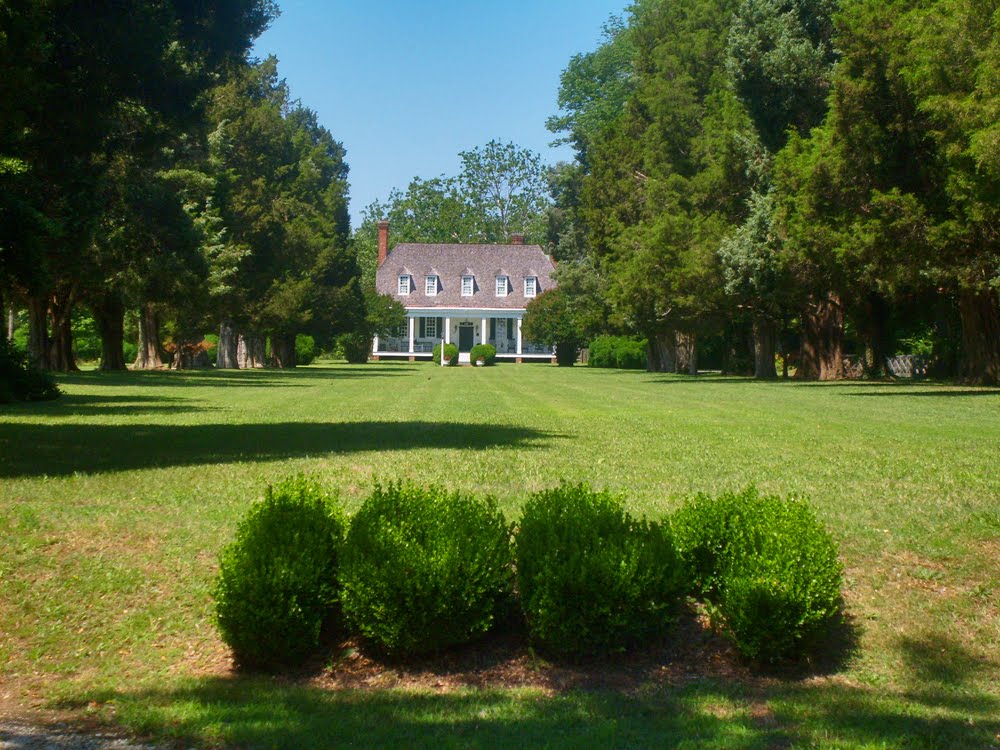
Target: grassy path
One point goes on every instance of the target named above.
(115, 499)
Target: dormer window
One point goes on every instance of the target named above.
(503, 286)
(404, 283)
(530, 286)
(468, 284)
(431, 285)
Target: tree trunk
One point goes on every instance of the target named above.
(661, 352)
(822, 355)
(109, 315)
(947, 334)
(149, 357)
(687, 353)
(250, 351)
(61, 357)
(11, 322)
(190, 355)
(765, 342)
(283, 351)
(4, 333)
(783, 345)
(38, 331)
(225, 355)
(980, 315)
(876, 336)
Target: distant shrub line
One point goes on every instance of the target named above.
(420, 569)
(622, 352)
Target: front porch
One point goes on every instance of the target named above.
(424, 329)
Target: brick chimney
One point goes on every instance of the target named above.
(517, 238)
(383, 241)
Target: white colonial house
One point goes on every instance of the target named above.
(463, 294)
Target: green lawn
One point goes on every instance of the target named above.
(115, 499)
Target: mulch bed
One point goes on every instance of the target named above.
(691, 651)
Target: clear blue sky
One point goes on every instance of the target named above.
(405, 86)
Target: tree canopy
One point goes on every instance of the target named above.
(785, 172)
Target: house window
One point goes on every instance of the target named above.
(403, 331)
(530, 286)
(431, 286)
(501, 286)
(467, 286)
(431, 328)
(404, 284)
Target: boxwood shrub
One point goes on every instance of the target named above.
(781, 582)
(425, 569)
(769, 566)
(591, 578)
(305, 349)
(354, 347)
(623, 352)
(487, 351)
(703, 530)
(277, 582)
(20, 380)
(450, 351)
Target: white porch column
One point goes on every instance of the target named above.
(447, 330)
(518, 335)
(486, 331)
(375, 344)
(412, 321)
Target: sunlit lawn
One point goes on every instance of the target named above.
(115, 499)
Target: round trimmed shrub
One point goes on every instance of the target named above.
(305, 349)
(768, 565)
(591, 578)
(487, 352)
(425, 569)
(277, 582)
(780, 582)
(450, 353)
(355, 347)
(703, 530)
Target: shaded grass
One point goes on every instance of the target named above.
(115, 499)
(264, 713)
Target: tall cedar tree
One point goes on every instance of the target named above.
(80, 83)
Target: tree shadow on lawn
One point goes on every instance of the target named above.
(74, 405)
(862, 388)
(901, 387)
(61, 449)
(242, 378)
(941, 670)
(752, 713)
(689, 689)
(952, 392)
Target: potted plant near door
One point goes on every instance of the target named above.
(450, 354)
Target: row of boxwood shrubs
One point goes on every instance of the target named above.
(419, 569)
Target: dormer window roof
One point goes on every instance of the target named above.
(465, 274)
(530, 286)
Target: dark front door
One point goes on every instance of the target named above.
(465, 336)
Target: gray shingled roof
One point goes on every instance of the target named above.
(451, 262)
